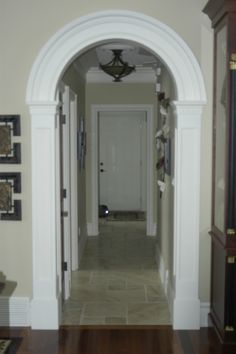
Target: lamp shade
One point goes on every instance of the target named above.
(117, 68)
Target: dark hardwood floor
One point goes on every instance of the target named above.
(117, 340)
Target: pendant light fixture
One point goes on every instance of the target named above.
(117, 68)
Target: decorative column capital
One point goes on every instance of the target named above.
(43, 108)
(192, 106)
(187, 113)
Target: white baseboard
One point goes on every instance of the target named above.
(81, 246)
(186, 313)
(204, 311)
(164, 275)
(154, 228)
(91, 229)
(45, 313)
(14, 311)
(151, 229)
(165, 279)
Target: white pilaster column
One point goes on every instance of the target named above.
(186, 306)
(44, 304)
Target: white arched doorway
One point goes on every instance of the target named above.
(49, 66)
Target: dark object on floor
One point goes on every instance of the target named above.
(9, 345)
(103, 211)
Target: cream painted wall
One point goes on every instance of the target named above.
(25, 26)
(114, 93)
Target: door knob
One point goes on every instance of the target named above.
(102, 170)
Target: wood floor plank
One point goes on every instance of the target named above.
(117, 340)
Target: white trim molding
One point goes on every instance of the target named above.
(14, 311)
(165, 279)
(204, 314)
(141, 75)
(57, 54)
(96, 109)
(73, 179)
(186, 304)
(81, 245)
(102, 26)
(45, 296)
(92, 228)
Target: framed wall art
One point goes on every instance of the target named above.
(10, 183)
(81, 144)
(10, 152)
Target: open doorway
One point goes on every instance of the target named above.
(121, 144)
(118, 264)
(46, 72)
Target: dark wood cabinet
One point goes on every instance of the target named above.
(223, 232)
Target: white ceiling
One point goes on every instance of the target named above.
(132, 53)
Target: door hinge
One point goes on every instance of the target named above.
(62, 118)
(64, 214)
(233, 61)
(230, 232)
(231, 260)
(64, 266)
(64, 193)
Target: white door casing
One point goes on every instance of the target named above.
(48, 67)
(143, 160)
(95, 110)
(67, 187)
(74, 181)
(70, 181)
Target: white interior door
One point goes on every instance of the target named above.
(66, 187)
(122, 169)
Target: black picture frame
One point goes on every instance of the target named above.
(12, 183)
(10, 153)
(81, 144)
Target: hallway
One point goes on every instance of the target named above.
(117, 282)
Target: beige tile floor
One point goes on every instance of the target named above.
(118, 281)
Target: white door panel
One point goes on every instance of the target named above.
(122, 171)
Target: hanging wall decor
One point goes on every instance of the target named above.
(81, 144)
(10, 183)
(10, 152)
